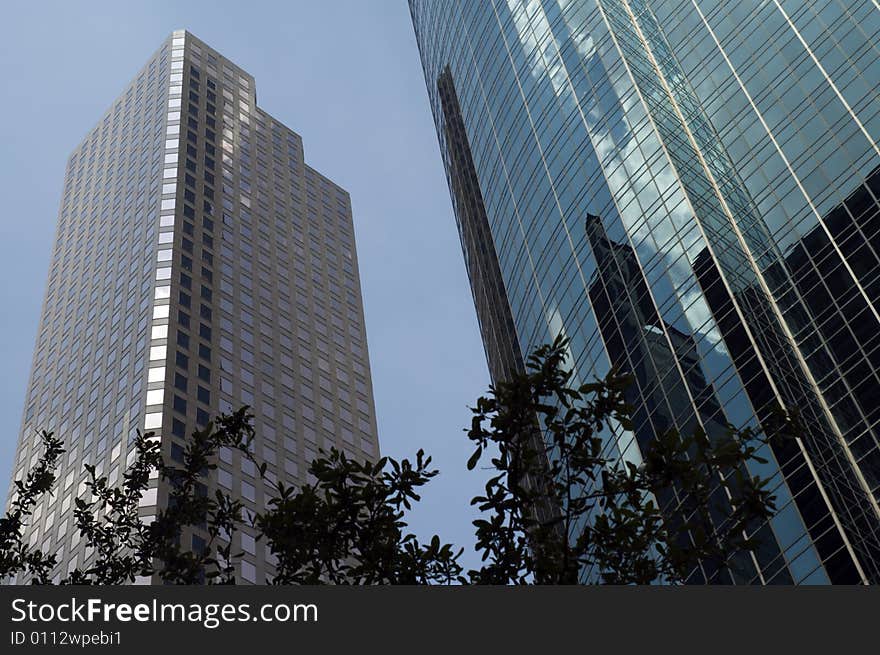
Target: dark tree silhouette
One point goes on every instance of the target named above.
(557, 508)
(561, 510)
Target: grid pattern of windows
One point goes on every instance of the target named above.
(264, 296)
(89, 373)
(687, 189)
(244, 290)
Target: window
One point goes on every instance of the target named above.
(248, 571)
(180, 382)
(183, 340)
(224, 478)
(153, 421)
(177, 452)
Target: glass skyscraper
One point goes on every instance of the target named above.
(199, 265)
(687, 190)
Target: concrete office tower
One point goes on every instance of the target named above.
(687, 189)
(199, 265)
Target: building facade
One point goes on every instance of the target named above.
(199, 265)
(688, 190)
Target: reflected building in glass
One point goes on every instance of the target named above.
(199, 265)
(687, 190)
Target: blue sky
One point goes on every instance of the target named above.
(346, 76)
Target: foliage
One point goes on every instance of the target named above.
(15, 554)
(347, 526)
(559, 505)
(557, 509)
(122, 545)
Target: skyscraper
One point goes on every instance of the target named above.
(199, 265)
(687, 189)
